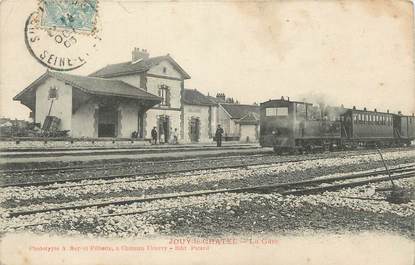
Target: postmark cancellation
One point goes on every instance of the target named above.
(62, 34)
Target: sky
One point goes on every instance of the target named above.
(355, 52)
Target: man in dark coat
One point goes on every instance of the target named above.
(154, 135)
(218, 136)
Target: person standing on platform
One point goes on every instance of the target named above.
(154, 135)
(175, 136)
(218, 136)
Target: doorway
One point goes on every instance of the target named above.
(164, 129)
(107, 122)
(194, 130)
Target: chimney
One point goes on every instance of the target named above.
(376, 110)
(138, 54)
(364, 109)
(354, 107)
(400, 112)
(387, 111)
(221, 96)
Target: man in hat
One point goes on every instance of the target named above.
(154, 135)
(218, 136)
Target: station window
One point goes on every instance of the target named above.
(270, 112)
(164, 94)
(282, 111)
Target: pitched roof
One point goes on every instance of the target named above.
(194, 97)
(137, 67)
(237, 111)
(216, 100)
(250, 118)
(92, 85)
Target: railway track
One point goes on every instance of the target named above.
(95, 167)
(122, 176)
(378, 172)
(292, 188)
(145, 175)
(126, 164)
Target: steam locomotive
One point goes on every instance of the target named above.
(293, 126)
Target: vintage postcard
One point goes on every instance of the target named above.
(207, 132)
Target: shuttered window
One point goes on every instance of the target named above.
(164, 93)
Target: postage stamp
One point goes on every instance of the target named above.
(62, 34)
(69, 14)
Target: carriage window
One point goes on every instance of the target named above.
(270, 112)
(282, 111)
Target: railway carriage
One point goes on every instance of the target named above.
(300, 126)
(367, 128)
(404, 128)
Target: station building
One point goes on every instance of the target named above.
(134, 96)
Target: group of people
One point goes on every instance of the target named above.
(154, 136)
(175, 138)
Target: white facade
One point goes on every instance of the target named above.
(202, 114)
(61, 106)
(161, 75)
(249, 133)
(80, 128)
(88, 115)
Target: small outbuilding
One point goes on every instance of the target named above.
(249, 127)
